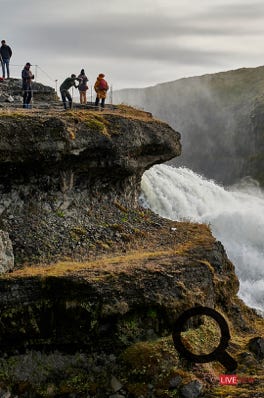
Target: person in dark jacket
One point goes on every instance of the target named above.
(83, 87)
(6, 54)
(27, 78)
(64, 90)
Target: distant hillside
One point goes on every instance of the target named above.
(220, 116)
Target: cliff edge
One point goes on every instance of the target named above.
(61, 173)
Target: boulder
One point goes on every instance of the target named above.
(192, 389)
(256, 345)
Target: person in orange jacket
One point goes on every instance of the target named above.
(101, 87)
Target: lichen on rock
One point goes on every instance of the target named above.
(6, 253)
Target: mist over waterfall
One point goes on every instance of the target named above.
(235, 215)
(220, 118)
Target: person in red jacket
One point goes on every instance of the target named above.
(101, 87)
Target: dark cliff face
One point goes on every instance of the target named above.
(220, 118)
(57, 168)
(91, 306)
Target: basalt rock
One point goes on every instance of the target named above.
(256, 345)
(6, 253)
(111, 303)
(59, 170)
(11, 91)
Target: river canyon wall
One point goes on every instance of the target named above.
(218, 114)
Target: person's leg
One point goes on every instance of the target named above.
(68, 95)
(29, 96)
(97, 101)
(25, 99)
(7, 67)
(102, 102)
(3, 68)
(63, 97)
(84, 97)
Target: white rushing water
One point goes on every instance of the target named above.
(236, 218)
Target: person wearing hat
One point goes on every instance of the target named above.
(64, 89)
(6, 54)
(101, 87)
(27, 78)
(83, 87)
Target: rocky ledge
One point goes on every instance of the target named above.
(63, 175)
(90, 304)
(11, 93)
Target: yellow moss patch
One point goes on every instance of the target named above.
(177, 244)
(148, 357)
(98, 125)
(63, 267)
(203, 339)
(9, 114)
(71, 131)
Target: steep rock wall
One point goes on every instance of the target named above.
(91, 306)
(59, 170)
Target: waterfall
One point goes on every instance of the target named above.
(235, 216)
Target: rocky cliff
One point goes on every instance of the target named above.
(221, 113)
(59, 171)
(98, 282)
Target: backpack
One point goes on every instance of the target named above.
(103, 85)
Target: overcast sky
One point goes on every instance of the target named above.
(136, 43)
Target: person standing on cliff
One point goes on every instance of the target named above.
(6, 54)
(27, 78)
(83, 87)
(64, 90)
(1, 62)
(101, 87)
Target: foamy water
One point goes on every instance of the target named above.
(236, 218)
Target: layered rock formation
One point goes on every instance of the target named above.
(99, 282)
(90, 305)
(59, 171)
